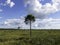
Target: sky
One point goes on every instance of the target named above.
(47, 13)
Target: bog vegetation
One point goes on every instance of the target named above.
(21, 37)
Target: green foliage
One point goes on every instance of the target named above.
(29, 18)
(21, 37)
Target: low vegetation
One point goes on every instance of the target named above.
(21, 37)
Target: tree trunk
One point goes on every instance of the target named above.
(30, 29)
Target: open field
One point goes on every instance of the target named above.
(21, 37)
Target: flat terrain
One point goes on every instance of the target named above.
(22, 37)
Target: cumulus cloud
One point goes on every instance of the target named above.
(15, 23)
(10, 22)
(6, 3)
(36, 8)
(10, 3)
(49, 23)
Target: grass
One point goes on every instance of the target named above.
(21, 37)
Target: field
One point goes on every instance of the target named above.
(22, 37)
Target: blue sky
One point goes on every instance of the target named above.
(15, 12)
(46, 1)
(19, 9)
(55, 15)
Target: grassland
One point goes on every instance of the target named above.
(21, 37)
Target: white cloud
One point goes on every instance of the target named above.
(10, 3)
(15, 22)
(10, 22)
(49, 23)
(36, 8)
(6, 3)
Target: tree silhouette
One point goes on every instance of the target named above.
(28, 20)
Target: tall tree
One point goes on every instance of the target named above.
(28, 20)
